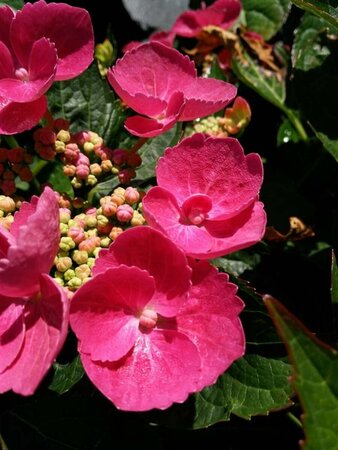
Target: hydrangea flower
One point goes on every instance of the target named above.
(222, 13)
(206, 200)
(40, 44)
(151, 327)
(159, 82)
(33, 308)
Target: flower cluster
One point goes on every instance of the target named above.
(84, 155)
(155, 321)
(40, 44)
(84, 235)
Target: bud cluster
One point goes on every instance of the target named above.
(85, 156)
(14, 162)
(83, 235)
(8, 206)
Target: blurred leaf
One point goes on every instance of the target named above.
(252, 385)
(155, 13)
(265, 83)
(334, 280)
(151, 151)
(88, 103)
(315, 380)
(15, 4)
(237, 263)
(53, 173)
(265, 17)
(309, 49)
(66, 376)
(287, 133)
(326, 9)
(331, 145)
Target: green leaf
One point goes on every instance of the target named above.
(287, 133)
(310, 45)
(252, 385)
(334, 280)
(104, 188)
(66, 376)
(315, 379)
(265, 83)
(15, 4)
(237, 263)
(265, 17)
(331, 145)
(153, 149)
(326, 9)
(88, 103)
(53, 173)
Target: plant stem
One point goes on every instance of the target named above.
(296, 123)
(11, 141)
(138, 144)
(295, 420)
(39, 166)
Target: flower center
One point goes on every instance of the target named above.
(22, 74)
(148, 319)
(195, 209)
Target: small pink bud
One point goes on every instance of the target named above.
(71, 153)
(77, 234)
(90, 244)
(104, 153)
(124, 213)
(91, 211)
(119, 156)
(82, 171)
(134, 159)
(131, 195)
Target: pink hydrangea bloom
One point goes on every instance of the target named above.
(206, 200)
(164, 37)
(40, 44)
(222, 13)
(152, 328)
(33, 308)
(159, 82)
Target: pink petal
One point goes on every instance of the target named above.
(222, 12)
(22, 215)
(6, 17)
(163, 368)
(162, 212)
(46, 322)
(6, 239)
(232, 184)
(205, 96)
(19, 117)
(12, 330)
(7, 65)
(41, 73)
(104, 312)
(209, 318)
(69, 28)
(151, 69)
(150, 250)
(164, 37)
(34, 250)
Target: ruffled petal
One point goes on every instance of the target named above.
(18, 117)
(34, 250)
(209, 318)
(68, 27)
(150, 250)
(12, 330)
(163, 368)
(104, 312)
(40, 75)
(46, 323)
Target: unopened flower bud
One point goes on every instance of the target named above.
(109, 209)
(64, 264)
(119, 156)
(25, 174)
(95, 169)
(106, 165)
(71, 153)
(131, 195)
(7, 204)
(59, 281)
(76, 183)
(134, 159)
(82, 271)
(91, 221)
(105, 242)
(64, 214)
(63, 136)
(8, 187)
(74, 283)
(115, 232)
(96, 252)
(90, 244)
(60, 147)
(69, 170)
(126, 175)
(45, 135)
(91, 180)
(63, 229)
(88, 147)
(16, 155)
(69, 274)
(102, 220)
(91, 262)
(124, 213)
(137, 219)
(48, 153)
(80, 256)
(82, 171)
(77, 234)
(61, 124)
(66, 244)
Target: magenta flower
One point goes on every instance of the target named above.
(164, 37)
(222, 13)
(40, 44)
(33, 308)
(151, 328)
(159, 82)
(206, 200)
